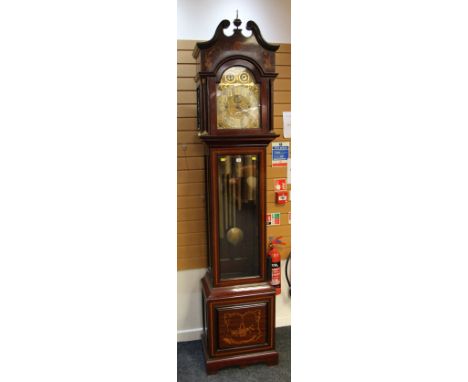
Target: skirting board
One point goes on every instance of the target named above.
(195, 334)
(189, 335)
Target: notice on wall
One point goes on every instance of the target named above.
(288, 171)
(279, 154)
(273, 218)
(289, 217)
(280, 185)
(287, 124)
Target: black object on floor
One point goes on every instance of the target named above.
(191, 365)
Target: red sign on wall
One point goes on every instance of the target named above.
(273, 218)
(281, 185)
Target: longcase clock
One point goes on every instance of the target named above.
(234, 79)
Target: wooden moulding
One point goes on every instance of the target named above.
(209, 54)
(237, 138)
(235, 291)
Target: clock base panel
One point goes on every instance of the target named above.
(239, 325)
(213, 364)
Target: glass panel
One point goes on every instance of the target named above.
(238, 216)
(238, 99)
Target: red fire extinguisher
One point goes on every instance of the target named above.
(275, 261)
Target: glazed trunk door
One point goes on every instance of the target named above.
(239, 215)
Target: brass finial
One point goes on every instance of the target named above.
(237, 21)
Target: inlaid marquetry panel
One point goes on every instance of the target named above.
(242, 325)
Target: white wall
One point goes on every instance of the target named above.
(197, 20)
(189, 306)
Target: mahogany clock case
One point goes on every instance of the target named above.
(237, 299)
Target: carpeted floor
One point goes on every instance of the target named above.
(191, 367)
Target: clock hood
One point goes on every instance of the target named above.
(212, 53)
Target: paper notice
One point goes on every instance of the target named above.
(279, 154)
(287, 124)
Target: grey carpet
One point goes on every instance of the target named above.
(191, 367)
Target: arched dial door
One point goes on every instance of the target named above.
(238, 100)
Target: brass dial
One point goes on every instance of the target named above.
(238, 100)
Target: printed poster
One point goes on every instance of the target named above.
(280, 154)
